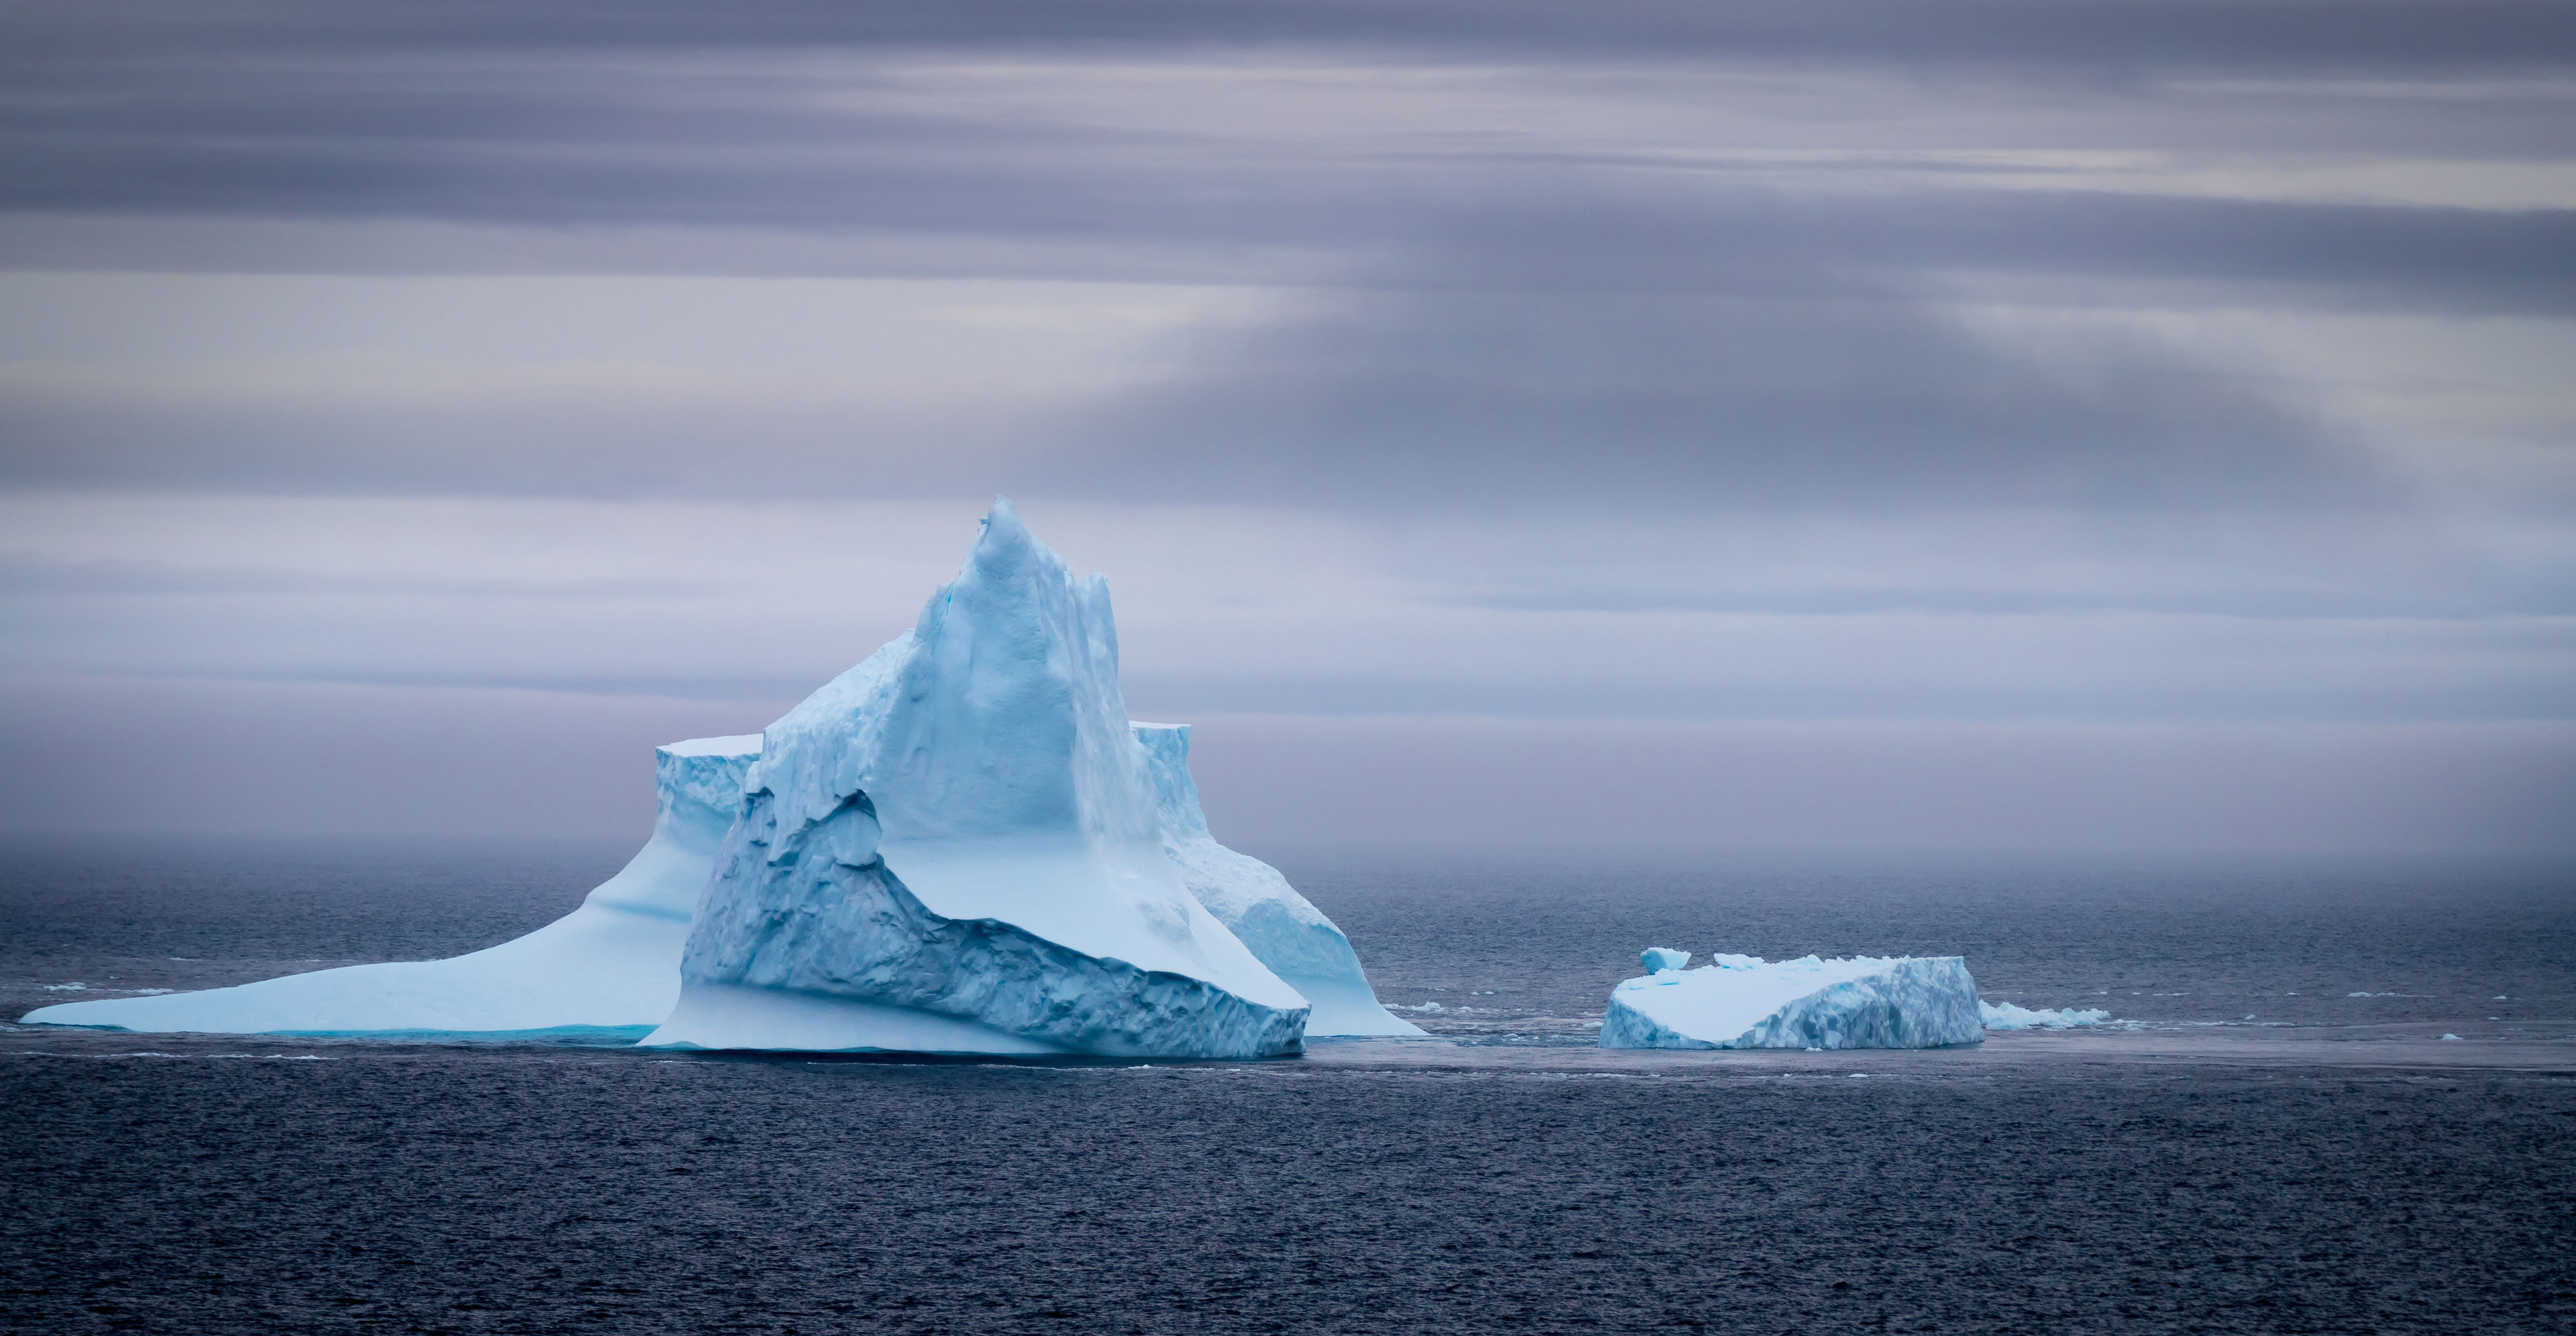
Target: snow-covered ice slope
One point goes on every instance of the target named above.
(953, 847)
(1745, 1002)
(1258, 905)
(613, 963)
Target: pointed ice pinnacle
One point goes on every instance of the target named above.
(954, 847)
(611, 965)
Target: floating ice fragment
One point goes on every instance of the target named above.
(2006, 1016)
(1657, 959)
(74, 987)
(2450, 1036)
(1746, 1002)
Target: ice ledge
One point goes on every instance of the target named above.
(741, 744)
(610, 965)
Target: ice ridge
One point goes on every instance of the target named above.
(1256, 903)
(955, 847)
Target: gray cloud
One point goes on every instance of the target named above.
(1554, 354)
(801, 117)
(2108, 34)
(1505, 313)
(1710, 401)
(1677, 346)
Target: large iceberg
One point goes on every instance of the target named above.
(1747, 1002)
(609, 968)
(955, 847)
(1258, 905)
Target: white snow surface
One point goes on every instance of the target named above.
(1257, 904)
(955, 847)
(2006, 1016)
(613, 963)
(1747, 1002)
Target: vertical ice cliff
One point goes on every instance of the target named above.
(612, 964)
(1250, 898)
(954, 847)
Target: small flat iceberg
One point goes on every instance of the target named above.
(608, 970)
(2006, 1016)
(1747, 1002)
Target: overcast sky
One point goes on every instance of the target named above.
(2003, 424)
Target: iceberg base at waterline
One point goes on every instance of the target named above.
(608, 970)
(1747, 1002)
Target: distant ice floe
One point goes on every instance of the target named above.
(1816, 1004)
(1747, 1002)
(2006, 1016)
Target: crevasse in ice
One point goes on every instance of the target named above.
(1746, 1002)
(610, 965)
(1258, 905)
(955, 847)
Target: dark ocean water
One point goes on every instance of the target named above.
(1534, 947)
(204, 1184)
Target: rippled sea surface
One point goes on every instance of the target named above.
(1518, 1182)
